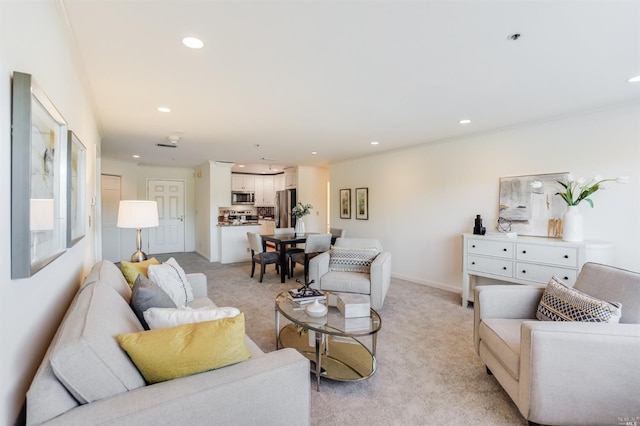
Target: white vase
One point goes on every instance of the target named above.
(316, 309)
(572, 225)
(299, 227)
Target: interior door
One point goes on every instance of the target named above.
(110, 196)
(169, 236)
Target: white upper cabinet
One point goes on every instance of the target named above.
(290, 177)
(240, 182)
(265, 191)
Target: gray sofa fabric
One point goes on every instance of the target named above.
(563, 373)
(85, 378)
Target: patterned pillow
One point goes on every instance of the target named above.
(172, 279)
(347, 259)
(562, 303)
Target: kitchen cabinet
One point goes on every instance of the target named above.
(265, 191)
(240, 182)
(290, 177)
(234, 244)
(279, 182)
(526, 260)
(267, 226)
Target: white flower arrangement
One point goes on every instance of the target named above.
(575, 191)
(300, 210)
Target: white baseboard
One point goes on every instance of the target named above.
(428, 283)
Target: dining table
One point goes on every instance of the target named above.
(281, 241)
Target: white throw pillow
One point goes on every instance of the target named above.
(172, 317)
(172, 279)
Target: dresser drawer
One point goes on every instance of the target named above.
(564, 256)
(542, 273)
(490, 266)
(490, 248)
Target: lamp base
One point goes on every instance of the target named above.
(138, 256)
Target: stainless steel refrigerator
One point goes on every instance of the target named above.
(285, 200)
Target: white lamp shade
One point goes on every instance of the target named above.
(137, 214)
(41, 214)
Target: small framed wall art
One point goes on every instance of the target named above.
(76, 178)
(345, 204)
(38, 178)
(362, 203)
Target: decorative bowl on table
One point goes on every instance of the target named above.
(316, 309)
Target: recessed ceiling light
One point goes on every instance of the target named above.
(465, 121)
(193, 42)
(314, 152)
(164, 109)
(241, 165)
(375, 143)
(135, 156)
(635, 79)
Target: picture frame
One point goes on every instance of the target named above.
(528, 204)
(38, 178)
(345, 204)
(76, 189)
(362, 203)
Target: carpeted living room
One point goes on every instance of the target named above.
(427, 369)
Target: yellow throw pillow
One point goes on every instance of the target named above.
(169, 353)
(131, 270)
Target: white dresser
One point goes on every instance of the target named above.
(526, 260)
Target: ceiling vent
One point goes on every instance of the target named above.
(174, 142)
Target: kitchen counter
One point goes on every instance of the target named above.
(247, 223)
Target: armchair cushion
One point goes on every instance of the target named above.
(561, 303)
(346, 282)
(346, 259)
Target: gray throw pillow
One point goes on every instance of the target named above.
(147, 294)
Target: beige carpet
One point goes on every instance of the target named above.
(427, 371)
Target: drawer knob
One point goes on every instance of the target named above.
(473, 263)
(524, 252)
(504, 268)
(473, 246)
(566, 256)
(524, 271)
(566, 278)
(504, 249)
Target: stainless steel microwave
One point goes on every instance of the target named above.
(241, 197)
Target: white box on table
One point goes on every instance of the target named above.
(353, 305)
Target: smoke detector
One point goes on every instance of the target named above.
(173, 142)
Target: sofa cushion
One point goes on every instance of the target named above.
(562, 303)
(109, 274)
(347, 259)
(86, 358)
(169, 353)
(172, 279)
(346, 282)
(502, 338)
(147, 294)
(131, 270)
(171, 317)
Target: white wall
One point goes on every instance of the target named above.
(33, 41)
(134, 186)
(312, 189)
(422, 199)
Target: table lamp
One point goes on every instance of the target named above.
(137, 214)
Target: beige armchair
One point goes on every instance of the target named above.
(373, 280)
(564, 373)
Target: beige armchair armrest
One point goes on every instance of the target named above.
(585, 359)
(198, 283)
(380, 279)
(504, 301)
(318, 266)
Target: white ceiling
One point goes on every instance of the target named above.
(280, 79)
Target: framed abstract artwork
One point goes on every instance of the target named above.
(345, 204)
(76, 178)
(529, 206)
(38, 178)
(362, 203)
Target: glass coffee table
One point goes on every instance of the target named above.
(331, 342)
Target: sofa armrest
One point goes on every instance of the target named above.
(380, 278)
(591, 367)
(318, 266)
(504, 301)
(198, 283)
(277, 382)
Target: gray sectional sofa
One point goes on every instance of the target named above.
(86, 379)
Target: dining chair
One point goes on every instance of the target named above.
(315, 244)
(336, 233)
(289, 250)
(258, 255)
